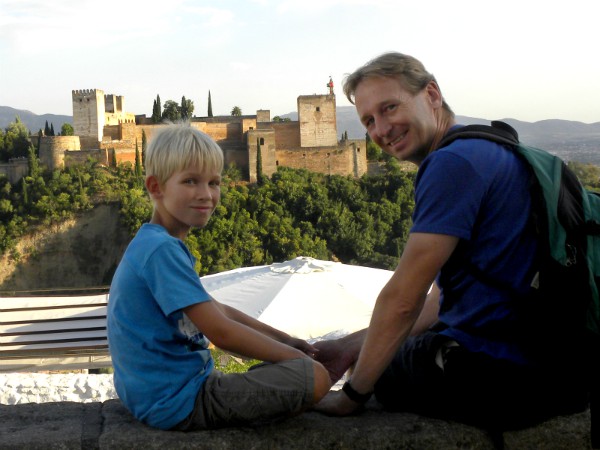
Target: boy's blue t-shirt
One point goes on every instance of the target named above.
(478, 191)
(160, 358)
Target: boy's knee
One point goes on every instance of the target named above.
(322, 381)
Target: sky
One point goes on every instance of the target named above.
(529, 60)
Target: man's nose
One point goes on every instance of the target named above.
(382, 127)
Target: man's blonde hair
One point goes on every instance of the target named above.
(175, 147)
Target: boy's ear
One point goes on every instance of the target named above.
(153, 187)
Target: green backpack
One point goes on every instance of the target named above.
(567, 219)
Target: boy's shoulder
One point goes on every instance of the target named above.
(148, 239)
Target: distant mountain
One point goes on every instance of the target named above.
(570, 140)
(31, 120)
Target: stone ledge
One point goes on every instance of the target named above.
(108, 425)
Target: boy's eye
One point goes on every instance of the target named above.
(189, 181)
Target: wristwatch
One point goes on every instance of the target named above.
(355, 396)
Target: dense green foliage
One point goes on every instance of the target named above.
(14, 141)
(293, 213)
(588, 174)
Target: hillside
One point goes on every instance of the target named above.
(32, 121)
(80, 252)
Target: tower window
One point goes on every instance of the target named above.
(262, 141)
(318, 108)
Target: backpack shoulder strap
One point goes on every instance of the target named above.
(499, 132)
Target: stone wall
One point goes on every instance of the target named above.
(317, 117)
(287, 135)
(14, 169)
(108, 425)
(52, 149)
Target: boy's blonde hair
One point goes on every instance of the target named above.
(174, 147)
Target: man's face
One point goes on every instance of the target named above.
(401, 123)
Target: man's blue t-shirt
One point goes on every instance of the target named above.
(160, 358)
(478, 191)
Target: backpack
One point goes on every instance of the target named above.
(567, 220)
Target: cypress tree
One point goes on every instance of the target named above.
(144, 148)
(51, 129)
(259, 174)
(210, 113)
(46, 129)
(138, 163)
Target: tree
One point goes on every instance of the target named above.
(144, 143)
(33, 163)
(156, 112)
(187, 108)
(46, 129)
(138, 163)
(236, 111)
(67, 130)
(51, 129)
(281, 119)
(171, 111)
(210, 113)
(16, 141)
(259, 173)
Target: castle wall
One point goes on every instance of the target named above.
(287, 134)
(346, 159)
(52, 149)
(14, 169)
(77, 157)
(317, 117)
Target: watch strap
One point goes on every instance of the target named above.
(355, 396)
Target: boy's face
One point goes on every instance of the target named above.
(187, 199)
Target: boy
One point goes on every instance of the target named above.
(160, 318)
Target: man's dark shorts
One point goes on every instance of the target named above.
(432, 375)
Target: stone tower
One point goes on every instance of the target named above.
(89, 116)
(316, 114)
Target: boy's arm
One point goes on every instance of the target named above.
(278, 335)
(236, 337)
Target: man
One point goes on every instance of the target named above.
(468, 348)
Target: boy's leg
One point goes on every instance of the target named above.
(265, 393)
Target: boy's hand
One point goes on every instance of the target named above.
(302, 345)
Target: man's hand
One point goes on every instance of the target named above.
(336, 357)
(337, 403)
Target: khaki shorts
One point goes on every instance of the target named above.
(263, 394)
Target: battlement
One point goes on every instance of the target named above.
(86, 92)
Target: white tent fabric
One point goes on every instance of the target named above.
(304, 297)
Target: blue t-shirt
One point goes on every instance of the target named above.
(160, 358)
(478, 191)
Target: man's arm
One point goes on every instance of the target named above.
(397, 308)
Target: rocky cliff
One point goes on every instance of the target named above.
(78, 253)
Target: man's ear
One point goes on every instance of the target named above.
(434, 94)
(153, 187)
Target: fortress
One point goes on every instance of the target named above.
(108, 134)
